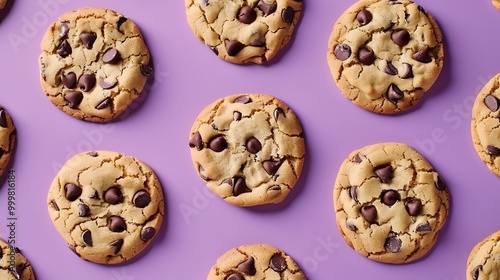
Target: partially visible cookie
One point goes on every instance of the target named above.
(384, 54)
(255, 261)
(107, 206)
(483, 262)
(248, 148)
(244, 31)
(485, 125)
(496, 3)
(2, 3)
(7, 138)
(390, 203)
(13, 265)
(94, 63)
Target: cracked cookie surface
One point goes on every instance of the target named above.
(485, 125)
(255, 261)
(483, 262)
(107, 206)
(7, 138)
(94, 63)
(242, 31)
(21, 270)
(384, 55)
(389, 203)
(248, 148)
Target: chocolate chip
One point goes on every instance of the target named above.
(64, 49)
(108, 83)
(200, 172)
(384, 173)
(493, 151)
(69, 80)
(423, 227)
(408, 73)
(119, 23)
(116, 224)
(277, 263)
(393, 243)
(54, 204)
(214, 49)
(401, 37)
(366, 56)
(353, 193)
(113, 195)
(237, 115)
(84, 210)
(253, 145)
(87, 237)
(351, 226)
(146, 70)
(422, 55)
(117, 244)
(364, 17)
(1, 253)
(420, 8)
(277, 112)
(287, 15)
(18, 271)
(274, 188)
(492, 103)
(235, 276)
(243, 99)
(267, 8)
(233, 47)
(196, 141)
(271, 166)
(394, 94)
(246, 15)
(257, 43)
(147, 233)
(72, 191)
(413, 206)
(111, 56)
(73, 249)
(86, 82)
(475, 272)
(369, 212)
(239, 186)
(104, 104)
(3, 118)
(342, 51)
(248, 266)
(95, 195)
(390, 197)
(390, 69)
(357, 159)
(88, 39)
(217, 144)
(63, 29)
(141, 199)
(439, 183)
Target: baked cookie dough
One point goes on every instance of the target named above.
(248, 148)
(242, 31)
(19, 270)
(94, 63)
(255, 261)
(7, 138)
(485, 125)
(384, 55)
(496, 3)
(107, 206)
(2, 3)
(483, 262)
(389, 203)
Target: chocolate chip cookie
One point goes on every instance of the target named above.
(94, 63)
(255, 261)
(13, 265)
(384, 55)
(7, 138)
(483, 262)
(242, 31)
(389, 203)
(248, 148)
(485, 125)
(107, 206)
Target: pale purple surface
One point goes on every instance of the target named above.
(188, 77)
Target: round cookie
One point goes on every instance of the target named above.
(19, 270)
(248, 148)
(255, 261)
(384, 55)
(242, 31)
(94, 63)
(107, 206)
(389, 203)
(485, 124)
(7, 138)
(483, 262)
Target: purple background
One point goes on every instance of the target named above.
(188, 77)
